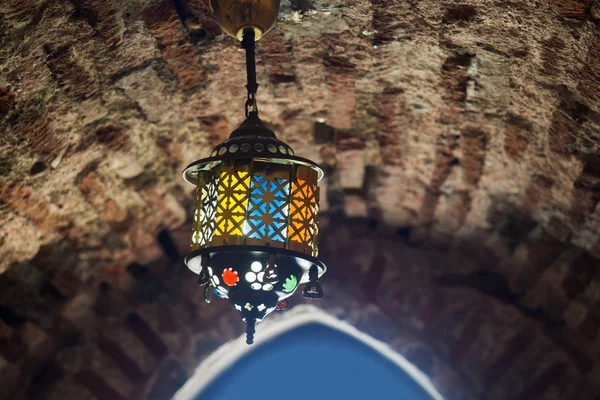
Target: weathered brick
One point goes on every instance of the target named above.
(176, 50)
(94, 190)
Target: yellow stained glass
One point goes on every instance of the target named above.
(232, 203)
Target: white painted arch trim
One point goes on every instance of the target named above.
(229, 353)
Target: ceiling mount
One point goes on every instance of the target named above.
(234, 16)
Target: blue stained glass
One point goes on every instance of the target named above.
(259, 208)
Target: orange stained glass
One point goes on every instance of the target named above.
(232, 203)
(230, 277)
(302, 212)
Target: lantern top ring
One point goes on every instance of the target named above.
(191, 172)
(252, 140)
(263, 147)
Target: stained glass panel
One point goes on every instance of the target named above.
(302, 212)
(268, 209)
(232, 203)
(257, 204)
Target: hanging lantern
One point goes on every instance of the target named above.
(255, 225)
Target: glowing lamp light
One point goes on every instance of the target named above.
(255, 227)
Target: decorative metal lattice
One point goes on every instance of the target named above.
(203, 227)
(303, 211)
(268, 212)
(257, 204)
(232, 204)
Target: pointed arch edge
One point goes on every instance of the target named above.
(230, 352)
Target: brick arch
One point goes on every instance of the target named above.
(460, 317)
(278, 325)
(472, 130)
(496, 329)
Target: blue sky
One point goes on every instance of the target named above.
(313, 362)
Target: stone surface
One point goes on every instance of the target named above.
(461, 143)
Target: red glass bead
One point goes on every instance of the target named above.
(230, 277)
(281, 304)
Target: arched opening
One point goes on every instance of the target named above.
(307, 354)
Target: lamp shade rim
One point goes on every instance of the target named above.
(191, 172)
(309, 260)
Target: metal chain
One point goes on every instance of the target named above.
(251, 105)
(248, 44)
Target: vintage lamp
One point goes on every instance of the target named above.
(255, 228)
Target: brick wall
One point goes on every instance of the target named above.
(461, 144)
(455, 316)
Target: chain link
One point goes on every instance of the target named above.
(251, 105)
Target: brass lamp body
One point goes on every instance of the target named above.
(255, 231)
(235, 15)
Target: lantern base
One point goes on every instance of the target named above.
(255, 279)
(223, 257)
